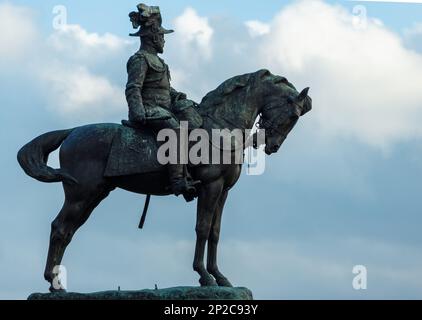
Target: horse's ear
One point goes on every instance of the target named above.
(302, 96)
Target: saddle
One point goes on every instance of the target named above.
(134, 147)
(132, 151)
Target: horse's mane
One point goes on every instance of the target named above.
(216, 97)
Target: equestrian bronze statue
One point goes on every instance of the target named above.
(98, 158)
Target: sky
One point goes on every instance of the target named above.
(344, 189)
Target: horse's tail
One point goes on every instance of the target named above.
(33, 157)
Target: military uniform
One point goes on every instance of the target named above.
(148, 90)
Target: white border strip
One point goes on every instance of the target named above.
(391, 1)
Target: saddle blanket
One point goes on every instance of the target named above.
(133, 151)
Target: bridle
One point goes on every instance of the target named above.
(262, 123)
(269, 125)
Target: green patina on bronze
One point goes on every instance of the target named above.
(230, 105)
(98, 158)
(176, 293)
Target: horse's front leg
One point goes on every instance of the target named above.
(207, 202)
(213, 243)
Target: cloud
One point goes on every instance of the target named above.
(364, 82)
(194, 34)
(413, 37)
(78, 93)
(17, 32)
(359, 91)
(77, 80)
(74, 41)
(257, 28)
(188, 50)
(272, 269)
(198, 66)
(71, 66)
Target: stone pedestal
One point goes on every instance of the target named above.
(176, 293)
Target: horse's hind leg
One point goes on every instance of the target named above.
(213, 243)
(75, 211)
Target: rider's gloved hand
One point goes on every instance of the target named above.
(183, 104)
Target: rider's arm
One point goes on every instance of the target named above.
(179, 100)
(176, 95)
(136, 68)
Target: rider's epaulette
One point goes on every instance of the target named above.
(135, 59)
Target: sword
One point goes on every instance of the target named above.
(144, 213)
(148, 198)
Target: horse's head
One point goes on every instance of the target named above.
(281, 113)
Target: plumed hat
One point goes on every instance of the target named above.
(148, 18)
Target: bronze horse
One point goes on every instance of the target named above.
(236, 103)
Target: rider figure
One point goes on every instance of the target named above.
(148, 90)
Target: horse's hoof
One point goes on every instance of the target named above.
(224, 282)
(54, 290)
(208, 282)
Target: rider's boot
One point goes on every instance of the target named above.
(180, 184)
